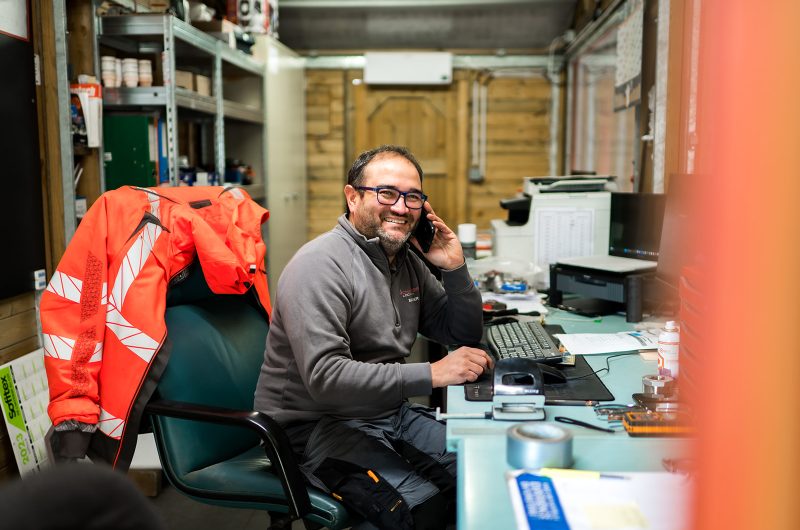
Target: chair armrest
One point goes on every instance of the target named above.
(275, 442)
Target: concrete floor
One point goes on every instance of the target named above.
(182, 513)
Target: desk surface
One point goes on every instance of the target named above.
(483, 500)
(623, 380)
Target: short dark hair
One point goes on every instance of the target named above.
(355, 177)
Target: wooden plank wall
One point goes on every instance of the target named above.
(17, 337)
(325, 148)
(80, 43)
(18, 328)
(518, 143)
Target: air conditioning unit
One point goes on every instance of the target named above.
(408, 68)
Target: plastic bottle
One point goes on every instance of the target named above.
(668, 341)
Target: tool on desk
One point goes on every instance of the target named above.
(535, 445)
(613, 412)
(571, 421)
(658, 385)
(570, 402)
(518, 390)
(657, 423)
(659, 403)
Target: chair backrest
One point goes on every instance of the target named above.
(217, 347)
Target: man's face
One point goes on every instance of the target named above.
(391, 224)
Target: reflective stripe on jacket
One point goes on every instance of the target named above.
(103, 311)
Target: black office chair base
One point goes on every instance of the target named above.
(283, 521)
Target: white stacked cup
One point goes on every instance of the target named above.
(118, 68)
(130, 72)
(467, 236)
(145, 72)
(108, 70)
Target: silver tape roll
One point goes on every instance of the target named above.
(658, 385)
(534, 445)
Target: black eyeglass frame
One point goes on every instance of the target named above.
(404, 194)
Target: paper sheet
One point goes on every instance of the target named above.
(637, 501)
(523, 303)
(563, 233)
(595, 343)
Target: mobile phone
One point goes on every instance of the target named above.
(424, 232)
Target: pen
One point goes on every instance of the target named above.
(578, 402)
(571, 421)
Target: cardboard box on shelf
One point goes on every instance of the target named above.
(224, 30)
(155, 6)
(202, 85)
(184, 79)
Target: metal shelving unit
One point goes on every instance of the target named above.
(125, 97)
(184, 47)
(242, 112)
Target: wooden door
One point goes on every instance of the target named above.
(425, 120)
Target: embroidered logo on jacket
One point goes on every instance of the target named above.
(411, 295)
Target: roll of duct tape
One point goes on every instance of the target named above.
(658, 385)
(534, 445)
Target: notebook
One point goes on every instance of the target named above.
(634, 235)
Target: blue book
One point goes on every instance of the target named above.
(163, 166)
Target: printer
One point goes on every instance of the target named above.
(553, 218)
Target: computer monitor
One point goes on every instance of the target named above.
(635, 225)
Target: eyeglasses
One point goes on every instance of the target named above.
(389, 196)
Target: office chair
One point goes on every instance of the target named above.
(212, 446)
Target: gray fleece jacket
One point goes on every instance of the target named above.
(343, 325)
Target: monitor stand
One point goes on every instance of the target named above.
(591, 307)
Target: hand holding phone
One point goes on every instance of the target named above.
(424, 232)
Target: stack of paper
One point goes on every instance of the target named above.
(523, 303)
(594, 343)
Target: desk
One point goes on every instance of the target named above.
(483, 500)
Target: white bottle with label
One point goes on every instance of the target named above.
(668, 342)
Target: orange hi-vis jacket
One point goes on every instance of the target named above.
(103, 311)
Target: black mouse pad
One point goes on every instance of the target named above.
(588, 388)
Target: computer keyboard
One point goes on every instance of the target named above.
(522, 339)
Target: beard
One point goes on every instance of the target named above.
(391, 243)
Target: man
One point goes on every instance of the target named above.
(348, 309)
